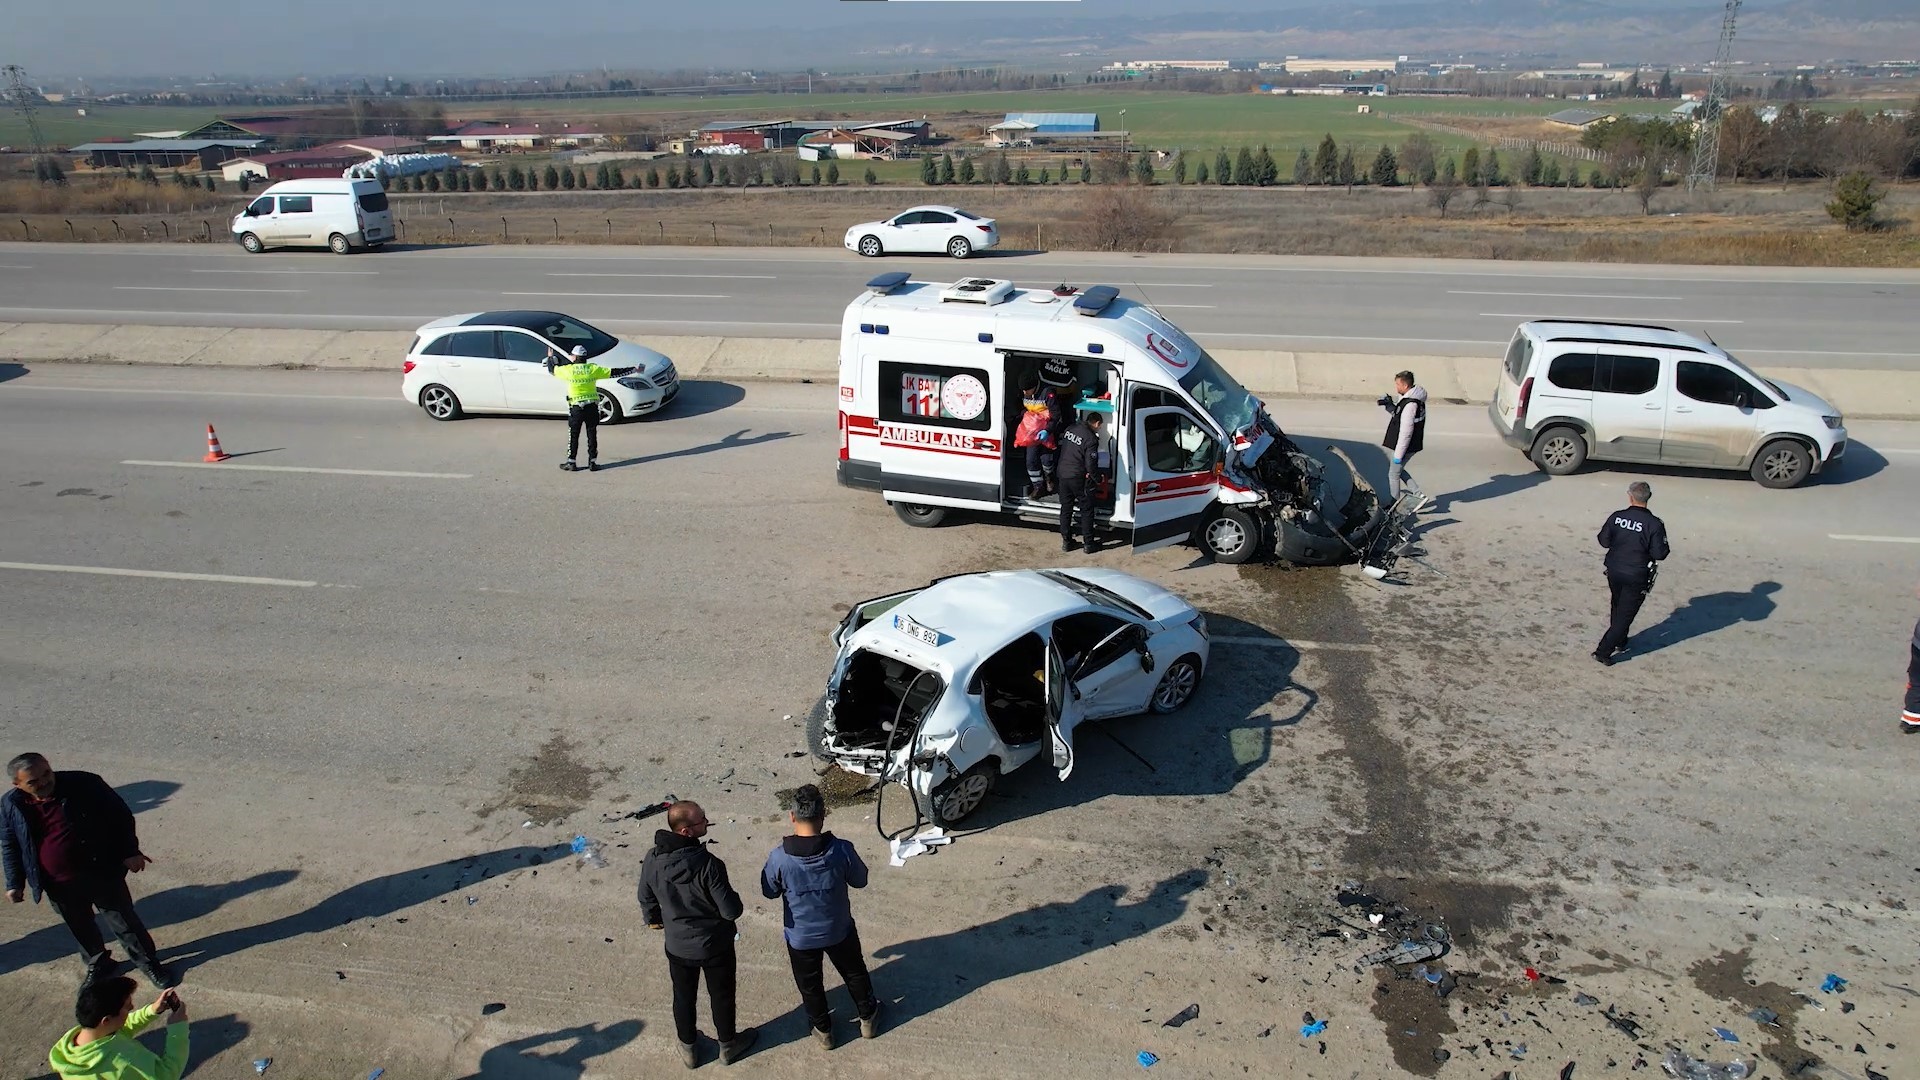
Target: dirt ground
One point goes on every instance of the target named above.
(1736, 225)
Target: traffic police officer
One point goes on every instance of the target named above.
(1079, 451)
(583, 403)
(1635, 540)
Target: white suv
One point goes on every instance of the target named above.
(1577, 389)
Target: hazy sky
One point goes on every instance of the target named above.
(104, 37)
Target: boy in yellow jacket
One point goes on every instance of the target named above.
(103, 1047)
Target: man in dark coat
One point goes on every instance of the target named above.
(69, 836)
(684, 891)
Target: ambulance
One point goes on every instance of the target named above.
(931, 376)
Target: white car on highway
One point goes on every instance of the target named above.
(495, 362)
(945, 688)
(925, 230)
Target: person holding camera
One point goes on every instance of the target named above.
(1406, 433)
(103, 1045)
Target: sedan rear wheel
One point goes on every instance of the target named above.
(959, 248)
(959, 797)
(1177, 685)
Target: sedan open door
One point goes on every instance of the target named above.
(1063, 710)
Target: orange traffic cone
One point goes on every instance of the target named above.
(214, 453)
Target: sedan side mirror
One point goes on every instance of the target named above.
(1740, 401)
(1146, 659)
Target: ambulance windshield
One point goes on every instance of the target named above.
(1220, 394)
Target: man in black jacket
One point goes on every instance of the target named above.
(70, 837)
(1079, 454)
(1635, 540)
(684, 890)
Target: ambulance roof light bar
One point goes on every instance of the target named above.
(888, 282)
(1095, 300)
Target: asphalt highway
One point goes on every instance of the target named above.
(1850, 318)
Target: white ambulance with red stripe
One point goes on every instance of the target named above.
(931, 381)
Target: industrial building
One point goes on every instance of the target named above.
(198, 154)
(1294, 65)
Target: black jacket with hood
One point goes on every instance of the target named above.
(684, 888)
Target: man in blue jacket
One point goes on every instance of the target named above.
(810, 873)
(70, 837)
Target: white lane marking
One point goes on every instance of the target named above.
(1307, 432)
(197, 288)
(1297, 646)
(171, 575)
(349, 273)
(720, 277)
(1563, 296)
(396, 399)
(1613, 318)
(14, 266)
(230, 466)
(1344, 337)
(625, 295)
(1874, 539)
(1136, 284)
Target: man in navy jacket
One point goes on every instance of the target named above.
(810, 873)
(69, 836)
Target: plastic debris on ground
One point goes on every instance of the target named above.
(1725, 1035)
(260, 1064)
(1407, 952)
(376, 1074)
(1677, 1063)
(1585, 999)
(1146, 1059)
(902, 849)
(1764, 1017)
(1834, 985)
(492, 1007)
(1191, 1012)
(1312, 1029)
(1532, 975)
(589, 852)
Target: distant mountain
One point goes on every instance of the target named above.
(1775, 30)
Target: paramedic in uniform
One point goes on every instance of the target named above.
(1079, 452)
(1634, 540)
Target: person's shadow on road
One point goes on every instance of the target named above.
(1705, 614)
(369, 899)
(729, 442)
(516, 1060)
(1492, 488)
(143, 795)
(162, 909)
(928, 974)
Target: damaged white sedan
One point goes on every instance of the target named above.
(944, 689)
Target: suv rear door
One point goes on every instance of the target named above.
(1629, 404)
(1519, 362)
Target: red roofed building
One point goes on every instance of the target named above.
(493, 134)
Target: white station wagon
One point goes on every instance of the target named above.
(945, 688)
(495, 362)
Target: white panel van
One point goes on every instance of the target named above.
(340, 214)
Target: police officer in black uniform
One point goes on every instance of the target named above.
(1635, 540)
(1079, 448)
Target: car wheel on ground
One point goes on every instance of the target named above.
(957, 799)
(1560, 451)
(1782, 463)
(251, 244)
(817, 730)
(870, 247)
(959, 248)
(440, 402)
(339, 244)
(919, 516)
(1232, 536)
(609, 409)
(1177, 685)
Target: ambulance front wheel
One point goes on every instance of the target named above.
(920, 517)
(1232, 536)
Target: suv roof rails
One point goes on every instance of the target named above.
(1578, 340)
(1608, 322)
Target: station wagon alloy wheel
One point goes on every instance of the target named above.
(440, 403)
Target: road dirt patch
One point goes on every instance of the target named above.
(554, 784)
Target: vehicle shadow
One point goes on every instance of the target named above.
(380, 896)
(698, 397)
(1222, 736)
(1703, 615)
(182, 904)
(923, 976)
(208, 1039)
(1861, 461)
(517, 1060)
(730, 442)
(1492, 488)
(143, 795)
(10, 371)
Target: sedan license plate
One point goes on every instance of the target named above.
(915, 631)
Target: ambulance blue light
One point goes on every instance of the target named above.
(1096, 348)
(988, 338)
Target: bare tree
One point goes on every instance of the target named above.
(1118, 217)
(1743, 141)
(1442, 190)
(1511, 198)
(1647, 182)
(1418, 156)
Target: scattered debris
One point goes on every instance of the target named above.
(376, 1074)
(472, 900)
(1518, 1051)
(644, 812)
(590, 852)
(1811, 1000)
(1630, 1028)
(1146, 1059)
(1191, 1012)
(1584, 998)
(919, 844)
(260, 1065)
(341, 975)
(1532, 975)
(1725, 1035)
(724, 776)
(1764, 1017)
(492, 1007)
(1407, 952)
(1846, 1007)
(1566, 1071)
(1441, 1054)
(1312, 1028)
(1834, 985)
(1678, 1064)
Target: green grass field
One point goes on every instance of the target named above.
(62, 126)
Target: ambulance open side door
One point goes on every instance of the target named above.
(940, 420)
(1173, 475)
